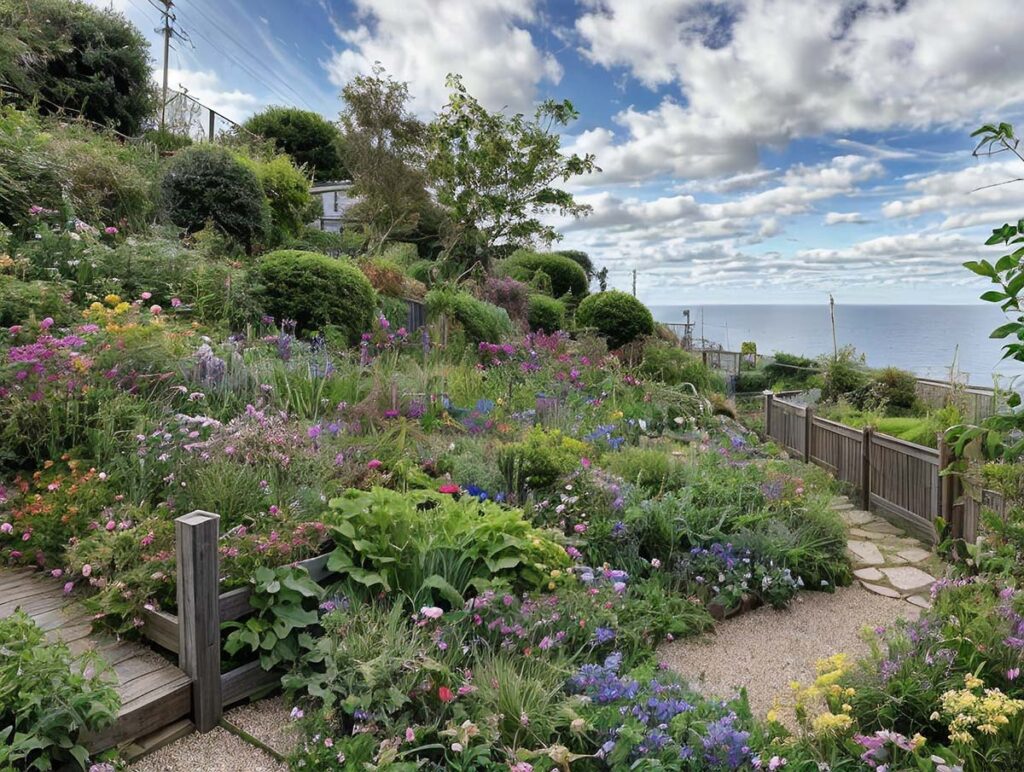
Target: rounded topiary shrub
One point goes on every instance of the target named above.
(317, 291)
(566, 275)
(480, 321)
(544, 313)
(208, 184)
(620, 317)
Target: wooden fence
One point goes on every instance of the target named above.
(900, 479)
(976, 402)
(194, 634)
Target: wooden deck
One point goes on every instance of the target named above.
(154, 692)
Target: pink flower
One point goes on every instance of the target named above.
(111, 525)
(445, 694)
(86, 570)
(374, 463)
(1012, 673)
(146, 295)
(175, 302)
(431, 612)
(56, 573)
(14, 329)
(449, 488)
(47, 323)
(68, 587)
(6, 528)
(155, 310)
(328, 742)
(110, 230)
(585, 462)
(409, 734)
(297, 713)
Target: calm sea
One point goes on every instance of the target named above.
(922, 339)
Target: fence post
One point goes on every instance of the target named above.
(947, 486)
(199, 613)
(808, 432)
(768, 397)
(865, 468)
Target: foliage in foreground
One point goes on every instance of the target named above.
(47, 698)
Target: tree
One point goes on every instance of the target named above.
(580, 257)
(495, 173)
(309, 138)
(67, 55)
(383, 145)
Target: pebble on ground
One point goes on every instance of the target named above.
(765, 649)
(215, 751)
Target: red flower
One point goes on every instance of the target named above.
(449, 488)
(445, 694)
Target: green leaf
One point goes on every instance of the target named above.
(982, 268)
(994, 296)
(1007, 329)
(447, 590)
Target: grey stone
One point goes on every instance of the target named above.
(865, 552)
(908, 578)
(869, 574)
(914, 554)
(885, 527)
(920, 601)
(856, 517)
(878, 589)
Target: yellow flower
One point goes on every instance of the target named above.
(556, 572)
(831, 723)
(111, 299)
(551, 585)
(971, 681)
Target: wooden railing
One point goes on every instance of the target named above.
(194, 634)
(901, 479)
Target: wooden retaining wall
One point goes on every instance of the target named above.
(902, 480)
(194, 634)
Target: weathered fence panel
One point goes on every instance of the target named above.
(837, 448)
(786, 422)
(904, 482)
(976, 402)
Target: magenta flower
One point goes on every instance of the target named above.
(313, 431)
(47, 323)
(175, 302)
(6, 528)
(374, 463)
(110, 230)
(68, 587)
(155, 310)
(449, 488)
(86, 570)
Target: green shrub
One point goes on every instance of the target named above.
(793, 370)
(540, 460)
(620, 317)
(167, 141)
(653, 470)
(581, 258)
(479, 320)
(309, 138)
(672, 365)
(566, 275)
(844, 376)
(422, 271)
(287, 191)
(21, 301)
(71, 56)
(894, 388)
(46, 700)
(545, 313)
(431, 548)
(401, 252)
(312, 239)
(752, 380)
(204, 184)
(316, 290)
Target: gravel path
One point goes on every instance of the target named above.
(764, 650)
(269, 721)
(215, 751)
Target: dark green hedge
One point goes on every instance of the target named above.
(620, 317)
(317, 291)
(566, 275)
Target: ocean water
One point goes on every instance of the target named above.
(922, 339)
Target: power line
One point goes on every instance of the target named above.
(193, 6)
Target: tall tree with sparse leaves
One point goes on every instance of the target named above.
(497, 174)
(383, 146)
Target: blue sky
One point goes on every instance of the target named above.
(763, 151)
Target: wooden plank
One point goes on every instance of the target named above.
(912, 449)
(837, 428)
(139, 688)
(199, 613)
(150, 743)
(906, 519)
(33, 606)
(161, 628)
(163, 706)
(234, 604)
(247, 680)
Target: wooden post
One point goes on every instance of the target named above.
(947, 490)
(865, 468)
(808, 432)
(199, 613)
(768, 397)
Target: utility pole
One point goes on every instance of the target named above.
(634, 282)
(832, 311)
(168, 30)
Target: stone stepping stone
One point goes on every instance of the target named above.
(860, 533)
(869, 574)
(888, 528)
(914, 554)
(878, 589)
(908, 579)
(843, 506)
(920, 601)
(856, 517)
(866, 552)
